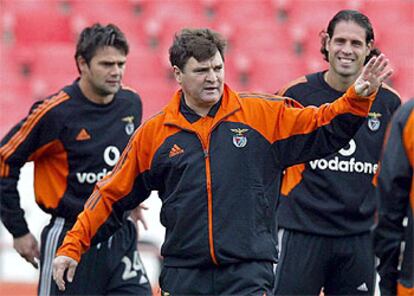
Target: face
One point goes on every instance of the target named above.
(202, 82)
(105, 70)
(347, 49)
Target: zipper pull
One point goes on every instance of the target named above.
(205, 153)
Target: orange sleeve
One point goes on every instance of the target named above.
(297, 121)
(303, 134)
(99, 206)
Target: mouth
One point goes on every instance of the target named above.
(113, 82)
(210, 89)
(346, 61)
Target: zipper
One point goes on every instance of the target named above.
(206, 153)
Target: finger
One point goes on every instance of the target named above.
(33, 262)
(382, 67)
(36, 250)
(378, 61)
(35, 255)
(58, 272)
(362, 88)
(387, 74)
(379, 64)
(71, 272)
(369, 66)
(30, 258)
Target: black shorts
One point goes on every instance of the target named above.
(112, 267)
(341, 265)
(249, 278)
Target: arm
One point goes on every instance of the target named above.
(124, 189)
(309, 133)
(17, 147)
(393, 184)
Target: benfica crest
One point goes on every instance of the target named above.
(239, 139)
(129, 127)
(373, 121)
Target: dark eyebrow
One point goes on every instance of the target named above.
(201, 68)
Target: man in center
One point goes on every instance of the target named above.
(213, 155)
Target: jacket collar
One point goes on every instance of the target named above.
(230, 103)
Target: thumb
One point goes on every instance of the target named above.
(71, 272)
(362, 88)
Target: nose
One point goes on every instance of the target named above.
(116, 70)
(211, 76)
(347, 48)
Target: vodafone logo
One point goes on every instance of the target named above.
(350, 165)
(111, 155)
(348, 150)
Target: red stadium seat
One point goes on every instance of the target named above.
(47, 26)
(270, 72)
(55, 6)
(120, 13)
(9, 114)
(314, 14)
(53, 67)
(262, 37)
(240, 12)
(403, 81)
(382, 13)
(150, 75)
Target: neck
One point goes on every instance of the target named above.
(92, 95)
(200, 109)
(338, 82)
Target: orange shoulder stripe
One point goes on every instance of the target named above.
(299, 80)
(26, 128)
(407, 138)
(254, 95)
(155, 132)
(408, 141)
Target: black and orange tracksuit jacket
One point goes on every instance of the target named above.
(73, 143)
(217, 181)
(330, 196)
(395, 190)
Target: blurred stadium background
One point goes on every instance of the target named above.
(270, 43)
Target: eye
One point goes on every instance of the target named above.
(357, 43)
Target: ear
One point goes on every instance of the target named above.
(327, 39)
(177, 74)
(370, 46)
(82, 64)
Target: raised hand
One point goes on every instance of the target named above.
(28, 248)
(373, 74)
(60, 264)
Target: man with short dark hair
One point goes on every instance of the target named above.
(325, 212)
(213, 155)
(75, 138)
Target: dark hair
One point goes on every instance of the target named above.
(354, 16)
(98, 36)
(201, 44)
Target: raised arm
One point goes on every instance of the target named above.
(309, 133)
